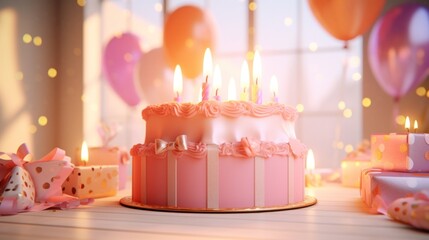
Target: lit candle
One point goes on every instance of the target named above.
(217, 82)
(232, 92)
(416, 125)
(91, 181)
(207, 70)
(84, 156)
(178, 83)
(244, 93)
(274, 86)
(257, 76)
(407, 124)
(312, 178)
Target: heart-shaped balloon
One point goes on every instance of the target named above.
(398, 49)
(120, 57)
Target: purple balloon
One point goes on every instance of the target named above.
(120, 57)
(398, 49)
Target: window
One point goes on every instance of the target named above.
(315, 72)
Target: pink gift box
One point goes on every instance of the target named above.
(380, 188)
(401, 152)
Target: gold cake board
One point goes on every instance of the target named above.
(127, 202)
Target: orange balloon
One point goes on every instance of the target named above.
(188, 31)
(346, 19)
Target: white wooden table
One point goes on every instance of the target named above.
(339, 214)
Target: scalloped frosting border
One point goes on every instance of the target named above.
(244, 149)
(213, 109)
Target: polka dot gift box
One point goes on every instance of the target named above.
(401, 152)
(380, 188)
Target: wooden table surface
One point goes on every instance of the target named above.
(339, 214)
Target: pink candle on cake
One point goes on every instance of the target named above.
(178, 83)
(217, 82)
(274, 86)
(207, 70)
(257, 75)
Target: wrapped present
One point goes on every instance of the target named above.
(401, 152)
(380, 188)
(34, 185)
(354, 163)
(412, 210)
(17, 191)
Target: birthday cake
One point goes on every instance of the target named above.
(217, 156)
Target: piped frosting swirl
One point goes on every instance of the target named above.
(213, 109)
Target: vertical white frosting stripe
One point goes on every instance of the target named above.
(259, 182)
(291, 180)
(212, 176)
(171, 180)
(143, 185)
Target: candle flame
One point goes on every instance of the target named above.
(416, 125)
(217, 78)
(84, 152)
(310, 163)
(244, 76)
(178, 80)
(407, 123)
(257, 68)
(274, 85)
(208, 63)
(232, 92)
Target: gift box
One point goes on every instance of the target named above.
(380, 188)
(18, 189)
(401, 152)
(27, 184)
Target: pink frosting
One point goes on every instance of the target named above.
(246, 148)
(213, 109)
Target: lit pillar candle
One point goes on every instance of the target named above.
(274, 86)
(177, 83)
(312, 178)
(232, 91)
(91, 181)
(244, 83)
(207, 71)
(217, 82)
(257, 76)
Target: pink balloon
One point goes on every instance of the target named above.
(398, 49)
(155, 86)
(120, 56)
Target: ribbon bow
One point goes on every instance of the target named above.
(180, 144)
(250, 147)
